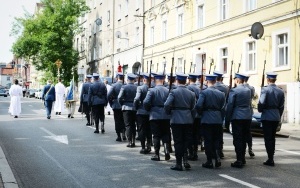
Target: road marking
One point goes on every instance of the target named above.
(287, 151)
(21, 138)
(238, 181)
(59, 138)
(61, 167)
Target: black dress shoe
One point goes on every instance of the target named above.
(56, 113)
(208, 165)
(102, 131)
(96, 131)
(176, 167)
(132, 145)
(48, 117)
(16, 117)
(237, 164)
(251, 153)
(59, 113)
(144, 151)
(218, 163)
(221, 155)
(269, 162)
(124, 138)
(155, 158)
(187, 165)
(119, 139)
(167, 156)
(88, 124)
(72, 117)
(69, 115)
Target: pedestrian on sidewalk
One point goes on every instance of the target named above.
(48, 97)
(71, 99)
(59, 95)
(271, 106)
(15, 102)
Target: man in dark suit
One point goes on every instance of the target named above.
(48, 97)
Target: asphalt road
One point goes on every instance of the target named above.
(63, 152)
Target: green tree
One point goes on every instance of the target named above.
(48, 36)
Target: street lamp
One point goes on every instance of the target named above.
(58, 64)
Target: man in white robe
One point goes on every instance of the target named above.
(59, 95)
(108, 108)
(15, 93)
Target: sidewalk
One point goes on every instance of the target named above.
(7, 179)
(291, 131)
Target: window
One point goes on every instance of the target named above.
(223, 9)
(224, 59)
(282, 50)
(152, 3)
(126, 7)
(200, 13)
(250, 5)
(8, 78)
(108, 17)
(119, 13)
(251, 56)
(164, 27)
(152, 35)
(180, 65)
(137, 35)
(82, 43)
(180, 20)
(100, 26)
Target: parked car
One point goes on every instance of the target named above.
(30, 93)
(256, 125)
(38, 94)
(3, 93)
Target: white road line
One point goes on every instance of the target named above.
(287, 151)
(238, 181)
(46, 131)
(62, 168)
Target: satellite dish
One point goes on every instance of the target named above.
(98, 21)
(118, 34)
(257, 30)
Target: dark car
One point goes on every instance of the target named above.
(256, 125)
(3, 93)
(30, 93)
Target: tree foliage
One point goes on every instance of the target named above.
(48, 36)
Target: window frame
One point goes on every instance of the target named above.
(200, 3)
(221, 57)
(180, 23)
(275, 53)
(221, 4)
(246, 54)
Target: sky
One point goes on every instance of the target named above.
(8, 11)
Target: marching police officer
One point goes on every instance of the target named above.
(172, 80)
(211, 107)
(225, 89)
(143, 115)
(117, 108)
(249, 136)
(159, 120)
(98, 100)
(84, 98)
(193, 149)
(126, 98)
(179, 105)
(271, 105)
(240, 115)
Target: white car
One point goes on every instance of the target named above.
(38, 94)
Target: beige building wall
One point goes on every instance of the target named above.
(207, 39)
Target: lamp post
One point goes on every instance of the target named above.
(58, 64)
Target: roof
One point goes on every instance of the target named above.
(6, 71)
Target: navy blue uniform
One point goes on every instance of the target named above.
(49, 97)
(84, 99)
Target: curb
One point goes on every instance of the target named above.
(294, 137)
(8, 177)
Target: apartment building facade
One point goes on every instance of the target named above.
(112, 35)
(217, 34)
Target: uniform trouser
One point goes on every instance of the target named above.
(221, 141)
(144, 125)
(98, 114)
(71, 107)
(249, 138)
(182, 136)
(161, 131)
(87, 110)
(211, 139)
(240, 128)
(129, 120)
(269, 129)
(48, 105)
(119, 121)
(195, 133)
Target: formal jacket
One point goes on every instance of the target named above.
(113, 95)
(97, 94)
(211, 106)
(239, 102)
(154, 102)
(139, 98)
(271, 103)
(48, 96)
(195, 88)
(252, 94)
(126, 96)
(222, 87)
(84, 95)
(179, 105)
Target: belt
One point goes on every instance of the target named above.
(212, 109)
(159, 106)
(180, 108)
